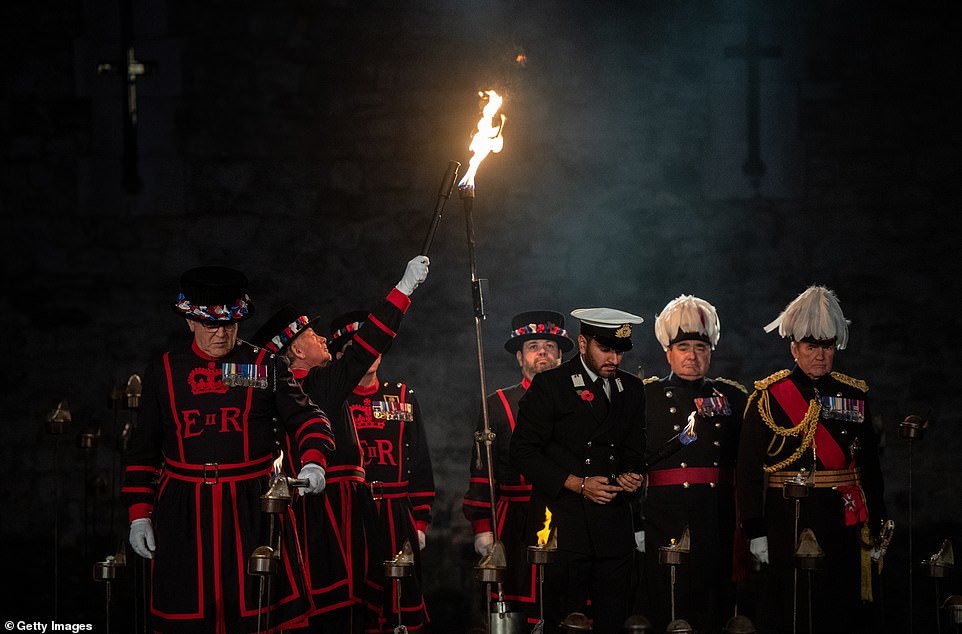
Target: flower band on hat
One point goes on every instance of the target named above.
(533, 329)
(218, 313)
(288, 334)
(347, 329)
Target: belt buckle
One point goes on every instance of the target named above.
(210, 472)
(377, 490)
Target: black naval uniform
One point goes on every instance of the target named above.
(512, 497)
(397, 467)
(788, 411)
(340, 527)
(567, 426)
(693, 488)
(202, 456)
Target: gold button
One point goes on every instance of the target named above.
(672, 409)
(589, 443)
(676, 427)
(612, 458)
(717, 443)
(715, 464)
(717, 425)
(684, 464)
(685, 484)
(587, 460)
(668, 394)
(711, 484)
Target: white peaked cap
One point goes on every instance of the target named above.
(687, 314)
(815, 314)
(605, 317)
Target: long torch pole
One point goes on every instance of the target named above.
(478, 288)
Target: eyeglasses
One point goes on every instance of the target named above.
(215, 327)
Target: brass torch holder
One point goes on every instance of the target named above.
(673, 555)
(395, 569)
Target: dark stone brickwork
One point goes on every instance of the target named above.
(304, 143)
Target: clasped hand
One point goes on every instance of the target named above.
(599, 490)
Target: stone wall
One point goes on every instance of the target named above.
(304, 142)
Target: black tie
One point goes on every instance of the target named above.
(600, 394)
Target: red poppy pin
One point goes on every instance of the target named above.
(587, 395)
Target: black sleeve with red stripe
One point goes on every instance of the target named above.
(329, 386)
(308, 427)
(143, 461)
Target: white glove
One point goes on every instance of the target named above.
(314, 474)
(640, 541)
(483, 542)
(422, 540)
(142, 537)
(875, 553)
(759, 548)
(415, 273)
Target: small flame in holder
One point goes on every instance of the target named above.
(546, 531)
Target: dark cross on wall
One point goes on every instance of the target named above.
(753, 53)
(129, 69)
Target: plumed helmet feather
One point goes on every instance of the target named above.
(815, 314)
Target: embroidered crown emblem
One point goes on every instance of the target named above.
(363, 418)
(206, 380)
(623, 332)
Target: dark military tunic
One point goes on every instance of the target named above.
(792, 423)
(202, 456)
(512, 497)
(692, 488)
(397, 465)
(565, 427)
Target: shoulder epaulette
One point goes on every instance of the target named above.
(769, 380)
(732, 383)
(650, 379)
(858, 384)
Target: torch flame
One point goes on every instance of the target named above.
(279, 463)
(688, 435)
(545, 532)
(487, 138)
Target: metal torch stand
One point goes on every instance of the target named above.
(107, 571)
(264, 561)
(57, 423)
(499, 617)
(936, 571)
(953, 608)
(672, 558)
(797, 490)
(540, 557)
(911, 429)
(395, 572)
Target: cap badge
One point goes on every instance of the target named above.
(623, 332)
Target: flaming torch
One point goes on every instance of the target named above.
(485, 140)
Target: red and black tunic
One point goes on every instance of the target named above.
(512, 497)
(201, 458)
(793, 422)
(339, 528)
(397, 466)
